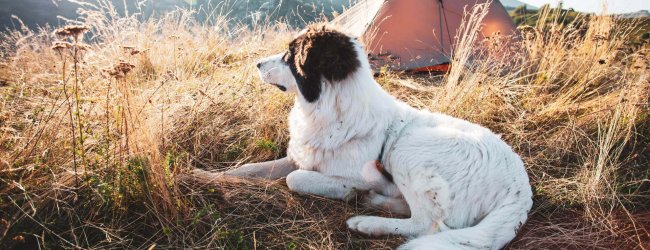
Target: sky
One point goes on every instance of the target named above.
(613, 6)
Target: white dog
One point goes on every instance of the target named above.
(463, 187)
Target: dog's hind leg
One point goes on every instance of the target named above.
(312, 182)
(427, 197)
(394, 205)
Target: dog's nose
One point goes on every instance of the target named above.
(259, 65)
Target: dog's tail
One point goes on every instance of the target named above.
(493, 232)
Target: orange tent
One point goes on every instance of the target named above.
(415, 35)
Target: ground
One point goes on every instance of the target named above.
(101, 122)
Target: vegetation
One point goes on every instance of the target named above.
(97, 138)
(522, 16)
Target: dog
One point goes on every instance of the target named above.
(459, 184)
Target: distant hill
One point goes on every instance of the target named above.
(638, 14)
(33, 12)
(638, 37)
(36, 13)
(511, 4)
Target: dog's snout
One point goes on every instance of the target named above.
(259, 65)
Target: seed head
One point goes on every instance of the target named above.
(61, 47)
(76, 29)
(131, 50)
(599, 38)
(120, 70)
(124, 67)
(62, 32)
(527, 31)
(71, 30)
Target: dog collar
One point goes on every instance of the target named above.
(388, 139)
(380, 166)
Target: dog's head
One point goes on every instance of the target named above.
(319, 55)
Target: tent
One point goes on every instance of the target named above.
(415, 35)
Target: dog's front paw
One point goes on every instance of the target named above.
(203, 174)
(241, 171)
(367, 225)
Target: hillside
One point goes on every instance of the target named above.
(638, 14)
(639, 37)
(511, 4)
(102, 124)
(35, 13)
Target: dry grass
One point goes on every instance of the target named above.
(92, 150)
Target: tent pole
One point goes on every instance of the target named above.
(444, 16)
(442, 40)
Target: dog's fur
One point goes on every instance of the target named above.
(463, 187)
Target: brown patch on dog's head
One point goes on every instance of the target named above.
(320, 52)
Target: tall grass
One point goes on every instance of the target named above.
(574, 103)
(157, 97)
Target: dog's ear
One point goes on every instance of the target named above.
(322, 53)
(307, 77)
(309, 85)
